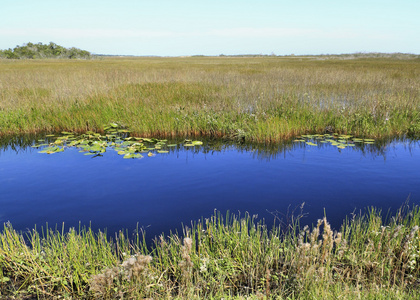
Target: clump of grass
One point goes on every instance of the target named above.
(229, 257)
(261, 99)
(132, 275)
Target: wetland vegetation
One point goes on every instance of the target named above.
(346, 102)
(258, 99)
(221, 257)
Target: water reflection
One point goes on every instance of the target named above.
(260, 151)
(187, 183)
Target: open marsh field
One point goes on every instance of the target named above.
(356, 124)
(260, 99)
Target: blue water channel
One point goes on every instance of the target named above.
(160, 193)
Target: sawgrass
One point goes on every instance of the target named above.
(259, 99)
(229, 257)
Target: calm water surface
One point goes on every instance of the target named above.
(159, 193)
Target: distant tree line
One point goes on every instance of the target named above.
(51, 50)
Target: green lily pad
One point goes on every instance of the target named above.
(50, 150)
(115, 138)
(344, 136)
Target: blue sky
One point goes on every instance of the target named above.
(184, 27)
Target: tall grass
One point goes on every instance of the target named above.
(221, 257)
(259, 99)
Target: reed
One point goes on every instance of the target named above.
(230, 257)
(259, 99)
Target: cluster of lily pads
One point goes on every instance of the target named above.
(115, 138)
(340, 141)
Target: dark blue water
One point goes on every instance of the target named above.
(159, 193)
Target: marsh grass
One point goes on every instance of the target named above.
(231, 257)
(260, 99)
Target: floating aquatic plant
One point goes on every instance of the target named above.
(115, 138)
(341, 141)
(191, 143)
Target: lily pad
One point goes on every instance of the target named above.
(115, 138)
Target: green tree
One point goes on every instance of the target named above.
(39, 50)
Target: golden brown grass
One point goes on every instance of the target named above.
(252, 98)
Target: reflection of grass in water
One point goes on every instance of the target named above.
(218, 257)
(262, 151)
(262, 99)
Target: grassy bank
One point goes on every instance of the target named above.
(260, 99)
(221, 257)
